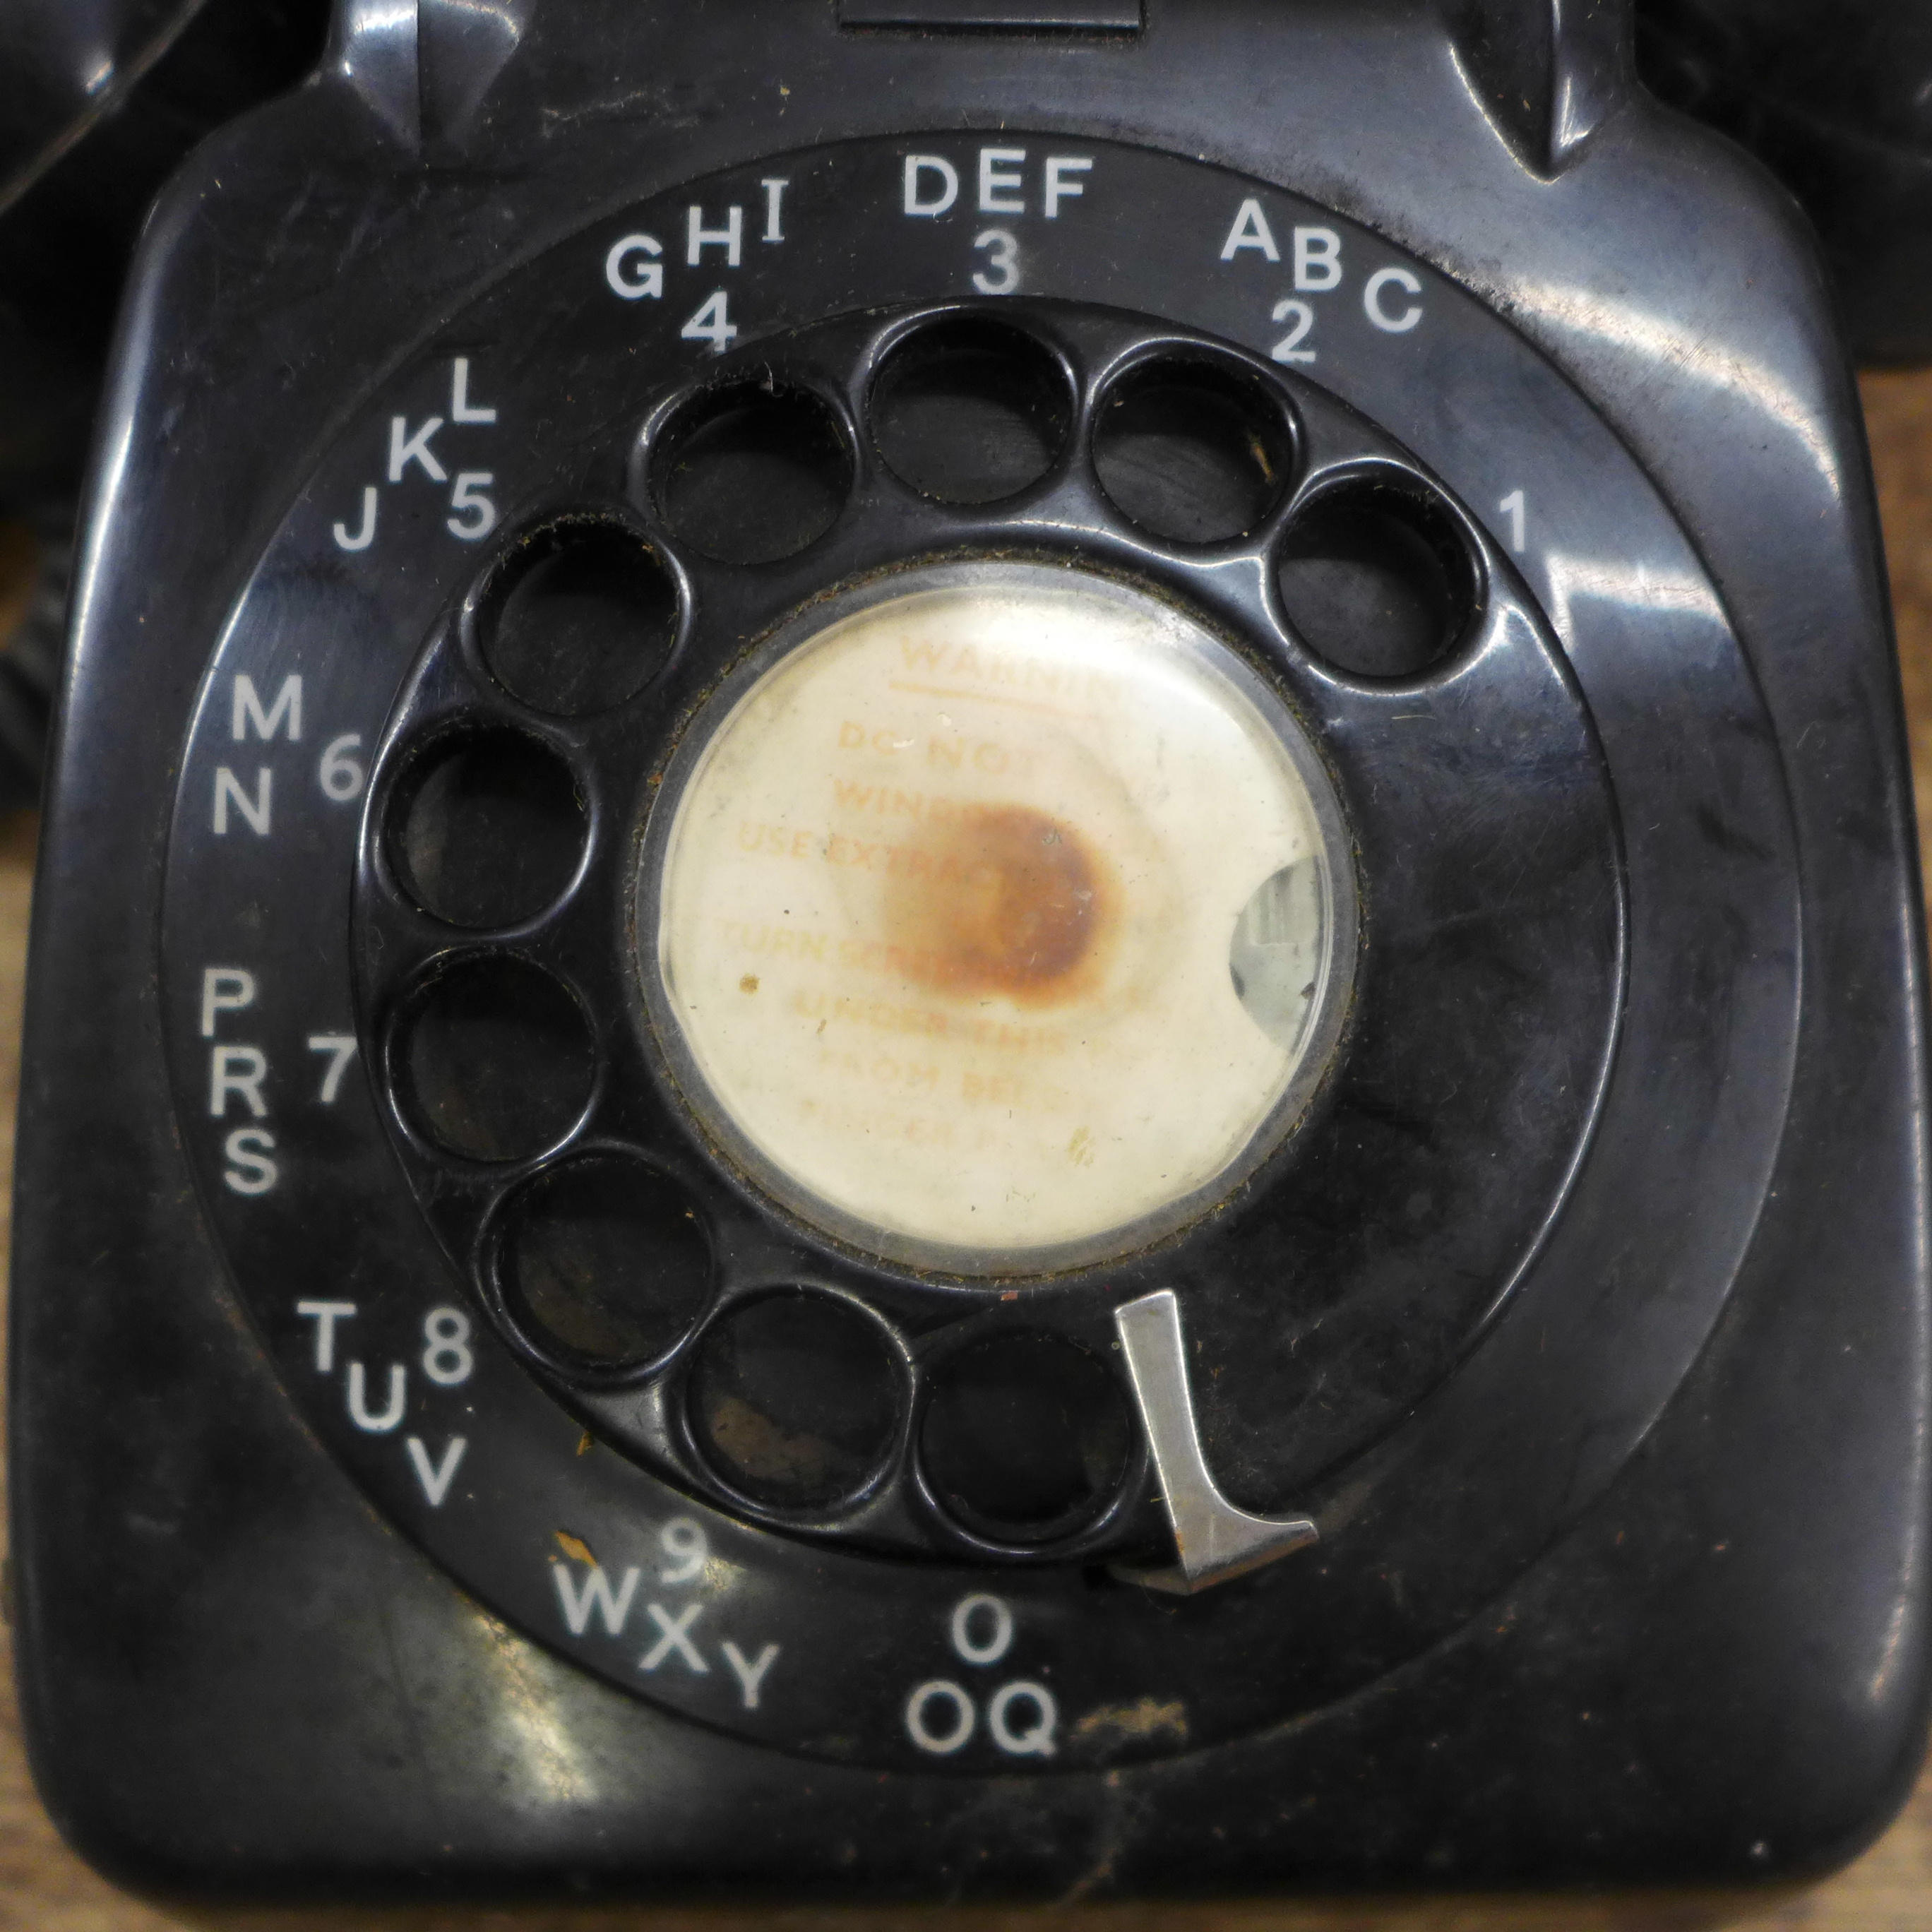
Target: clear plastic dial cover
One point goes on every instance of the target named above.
(998, 918)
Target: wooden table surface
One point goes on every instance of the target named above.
(44, 1886)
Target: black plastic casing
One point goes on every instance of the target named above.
(238, 1679)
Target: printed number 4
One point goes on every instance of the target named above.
(713, 323)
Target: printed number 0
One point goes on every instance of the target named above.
(1001, 275)
(447, 1359)
(1289, 349)
(341, 775)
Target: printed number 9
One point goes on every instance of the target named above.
(685, 1541)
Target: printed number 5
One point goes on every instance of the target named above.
(1001, 275)
(479, 514)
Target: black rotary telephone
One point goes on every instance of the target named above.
(978, 956)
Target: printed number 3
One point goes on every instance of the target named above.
(1001, 274)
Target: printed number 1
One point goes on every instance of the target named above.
(1512, 507)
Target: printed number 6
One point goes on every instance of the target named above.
(1001, 275)
(341, 776)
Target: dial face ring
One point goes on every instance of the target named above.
(1515, 856)
(588, 1505)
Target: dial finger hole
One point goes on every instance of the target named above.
(1025, 1437)
(487, 829)
(1378, 582)
(795, 1399)
(579, 619)
(495, 1059)
(748, 475)
(969, 411)
(603, 1262)
(1191, 451)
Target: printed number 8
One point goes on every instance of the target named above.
(447, 1359)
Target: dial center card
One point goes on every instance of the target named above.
(991, 919)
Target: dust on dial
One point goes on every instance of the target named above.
(996, 917)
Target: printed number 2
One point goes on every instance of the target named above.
(1289, 349)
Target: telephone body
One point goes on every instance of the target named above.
(978, 955)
